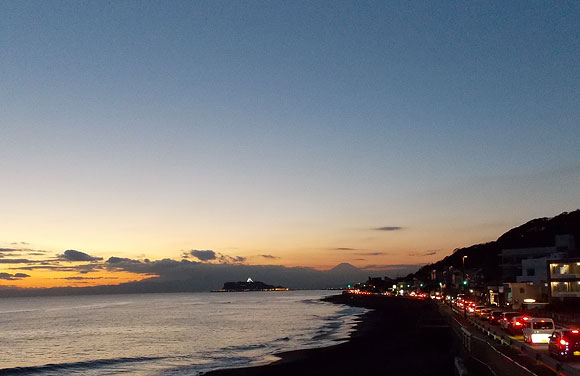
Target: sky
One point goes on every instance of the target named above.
(279, 133)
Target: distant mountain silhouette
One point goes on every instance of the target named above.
(540, 232)
(193, 277)
(345, 267)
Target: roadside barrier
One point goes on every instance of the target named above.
(466, 338)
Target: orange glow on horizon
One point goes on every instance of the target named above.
(48, 279)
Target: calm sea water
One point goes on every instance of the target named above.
(163, 334)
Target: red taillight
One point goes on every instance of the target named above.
(563, 343)
(518, 323)
(575, 331)
(525, 318)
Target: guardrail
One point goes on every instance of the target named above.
(557, 366)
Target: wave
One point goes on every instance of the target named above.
(88, 306)
(20, 311)
(327, 331)
(245, 347)
(88, 364)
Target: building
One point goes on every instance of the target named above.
(517, 294)
(512, 260)
(535, 270)
(564, 278)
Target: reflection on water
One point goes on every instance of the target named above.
(163, 334)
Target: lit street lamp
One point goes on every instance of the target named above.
(463, 261)
(463, 286)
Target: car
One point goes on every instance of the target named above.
(485, 313)
(518, 323)
(565, 344)
(505, 319)
(477, 309)
(539, 330)
(495, 317)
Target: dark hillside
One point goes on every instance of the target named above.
(541, 232)
(535, 233)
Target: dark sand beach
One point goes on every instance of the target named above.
(399, 336)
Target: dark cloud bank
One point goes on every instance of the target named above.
(169, 275)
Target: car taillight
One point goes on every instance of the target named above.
(563, 343)
(575, 331)
(518, 323)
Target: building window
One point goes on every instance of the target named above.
(531, 272)
(559, 287)
(565, 269)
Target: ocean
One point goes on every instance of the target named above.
(164, 334)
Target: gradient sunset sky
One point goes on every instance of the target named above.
(294, 133)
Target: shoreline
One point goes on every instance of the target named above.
(388, 337)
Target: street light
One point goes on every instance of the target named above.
(463, 287)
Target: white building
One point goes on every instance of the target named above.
(564, 278)
(536, 270)
(518, 262)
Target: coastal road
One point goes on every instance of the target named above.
(541, 348)
(530, 359)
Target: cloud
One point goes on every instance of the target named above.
(388, 228)
(344, 249)
(9, 250)
(16, 261)
(209, 255)
(224, 259)
(12, 251)
(426, 253)
(121, 260)
(85, 278)
(372, 254)
(206, 255)
(13, 277)
(269, 257)
(72, 255)
(83, 269)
